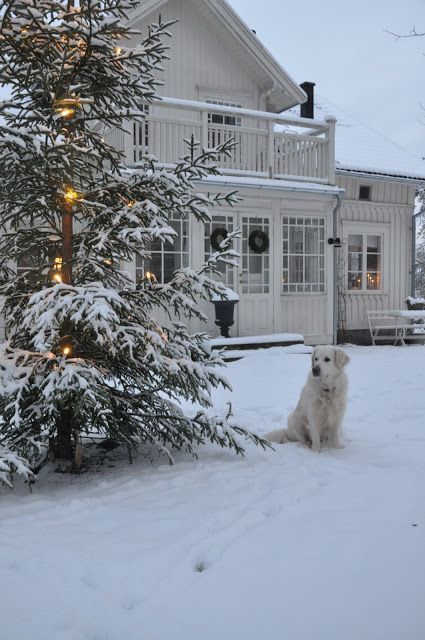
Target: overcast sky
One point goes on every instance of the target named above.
(342, 46)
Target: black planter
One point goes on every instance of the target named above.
(224, 315)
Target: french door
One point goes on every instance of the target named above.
(253, 279)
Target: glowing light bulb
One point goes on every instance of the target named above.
(57, 278)
(67, 350)
(71, 196)
(66, 113)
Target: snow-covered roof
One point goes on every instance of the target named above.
(363, 150)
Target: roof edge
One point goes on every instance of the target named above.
(366, 173)
(224, 12)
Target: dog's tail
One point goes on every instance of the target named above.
(280, 436)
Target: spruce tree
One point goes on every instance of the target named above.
(85, 353)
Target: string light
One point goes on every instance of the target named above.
(71, 196)
(67, 350)
(118, 51)
(66, 113)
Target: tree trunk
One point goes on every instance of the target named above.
(63, 441)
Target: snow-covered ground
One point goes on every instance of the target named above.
(279, 545)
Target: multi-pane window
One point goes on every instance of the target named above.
(303, 255)
(166, 257)
(255, 271)
(218, 226)
(364, 262)
(223, 118)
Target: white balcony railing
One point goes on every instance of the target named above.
(268, 145)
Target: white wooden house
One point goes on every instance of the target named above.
(303, 180)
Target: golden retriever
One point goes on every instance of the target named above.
(317, 418)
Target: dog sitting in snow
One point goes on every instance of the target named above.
(317, 418)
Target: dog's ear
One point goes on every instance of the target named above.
(341, 358)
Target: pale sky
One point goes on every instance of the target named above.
(341, 45)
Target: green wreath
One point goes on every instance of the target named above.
(258, 241)
(217, 237)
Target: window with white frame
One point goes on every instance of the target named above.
(215, 232)
(166, 257)
(303, 255)
(364, 262)
(224, 118)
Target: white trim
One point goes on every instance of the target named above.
(368, 228)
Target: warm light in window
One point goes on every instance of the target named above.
(57, 278)
(118, 51)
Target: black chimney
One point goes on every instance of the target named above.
(307, 109)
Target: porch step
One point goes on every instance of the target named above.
(251, 343)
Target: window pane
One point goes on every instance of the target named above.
(311, 240)
(296, 243)
(355, 281)
(373, 244)
(373, 262)
(373, 281)
(355, 262)
(355, 243)
(312, 269)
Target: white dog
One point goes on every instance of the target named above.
(318, 415)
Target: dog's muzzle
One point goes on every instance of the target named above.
(316, 371)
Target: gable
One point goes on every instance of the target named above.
(211, 36)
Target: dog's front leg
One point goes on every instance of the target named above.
(314, 434)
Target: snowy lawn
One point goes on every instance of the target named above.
(279, 545)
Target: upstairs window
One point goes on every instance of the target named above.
(223, 118)
(365, 192)
(364, 262)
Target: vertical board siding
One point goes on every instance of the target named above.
(394, 209)
(200, 60)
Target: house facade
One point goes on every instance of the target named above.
(304, 182)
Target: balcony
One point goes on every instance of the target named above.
(280, 147)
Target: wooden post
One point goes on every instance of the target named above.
(331, 149)
(271, 149)
(204, 130)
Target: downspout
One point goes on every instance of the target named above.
(335, 268)
(414, 228)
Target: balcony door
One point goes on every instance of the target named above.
(253, 280)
